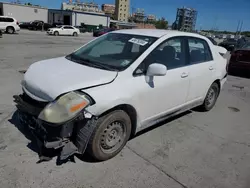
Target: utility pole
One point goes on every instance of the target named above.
(236, 33)
(240, 27)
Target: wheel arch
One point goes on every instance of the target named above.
(10, 26)
(130, 110)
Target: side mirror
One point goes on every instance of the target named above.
(155, 69)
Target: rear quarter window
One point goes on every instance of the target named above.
(199, 51)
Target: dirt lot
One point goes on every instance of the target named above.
(198, 150)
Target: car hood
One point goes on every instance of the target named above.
(46, 80)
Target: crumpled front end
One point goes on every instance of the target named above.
(71, 136)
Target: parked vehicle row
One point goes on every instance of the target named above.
(231, 44)
(116, 85)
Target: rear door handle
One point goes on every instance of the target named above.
(184, 75)
(211, 68)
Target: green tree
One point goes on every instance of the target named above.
(161, 24)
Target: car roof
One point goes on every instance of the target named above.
(157, 32)
(7, 17)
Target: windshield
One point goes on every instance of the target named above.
(114, 51)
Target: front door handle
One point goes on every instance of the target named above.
(211, 68)
(184, 75)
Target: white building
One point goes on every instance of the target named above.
(77, 18)
(24, 13)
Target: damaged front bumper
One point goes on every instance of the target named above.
(72, 137)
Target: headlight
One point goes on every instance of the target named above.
(65, 108)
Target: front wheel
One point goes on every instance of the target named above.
(110, 136)
(211, 97)
(56, 33)
(75, 34)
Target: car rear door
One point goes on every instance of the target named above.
(164, 94)
(201, 69)
(69, 30)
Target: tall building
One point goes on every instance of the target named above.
(151, 18)
(122, 10)
(185, 19)
(109, 10)
(139, 16)
(79, 6)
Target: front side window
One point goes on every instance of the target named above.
(115, 51)
(170, 53)
(68, 27)
(199, 51)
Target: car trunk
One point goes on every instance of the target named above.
(243, 56)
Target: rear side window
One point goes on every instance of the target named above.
(9, 19)
(199, 51)
(2, 19)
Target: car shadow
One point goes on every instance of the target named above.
(33, 144)
(52, 153)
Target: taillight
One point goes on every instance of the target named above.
(17, 23)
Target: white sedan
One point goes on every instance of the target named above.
(64, 30)
(99, 96)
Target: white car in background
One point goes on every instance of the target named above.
(9, 25)
(99, 96)
(64, 30)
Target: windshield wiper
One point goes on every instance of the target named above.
(89, 62)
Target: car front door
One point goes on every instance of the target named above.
(63, 31)
(2, 23)
(165, 94)
(202, 68)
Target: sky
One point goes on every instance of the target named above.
(221, 14)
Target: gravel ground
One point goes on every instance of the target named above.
(194, 150)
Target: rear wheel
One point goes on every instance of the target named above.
(75, 34)
(56, 33)
(10, 30)
(211, 97)
(110, 136)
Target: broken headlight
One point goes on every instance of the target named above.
(65, 108)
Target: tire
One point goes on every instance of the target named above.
(75, 34)
(56, 33)
(110, 135)
(211, 97)
(10, 30)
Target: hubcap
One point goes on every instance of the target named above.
(10, 30)
(211, 97)
(112, 137)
